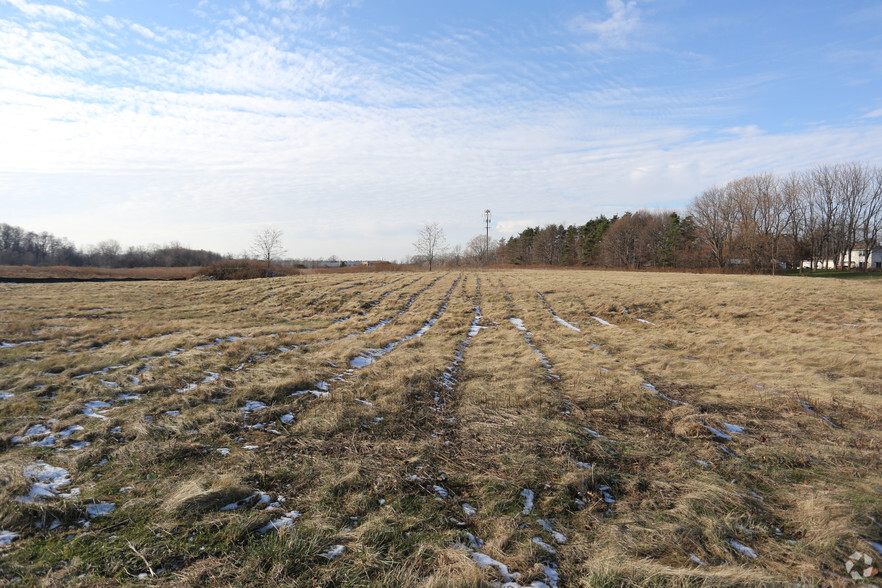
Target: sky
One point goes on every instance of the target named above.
(349, 124)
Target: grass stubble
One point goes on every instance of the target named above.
(421, 481)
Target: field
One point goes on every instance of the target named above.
(57, 273)
(559, 428)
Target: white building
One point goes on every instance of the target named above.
(856, 259)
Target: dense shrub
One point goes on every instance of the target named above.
(243, 269)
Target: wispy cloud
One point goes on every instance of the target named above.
(615, 30)
(47, 11)
(149, 130)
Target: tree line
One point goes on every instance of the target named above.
(821, 214)
(21, 247)
(758, 223)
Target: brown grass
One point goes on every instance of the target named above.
(91, 273)
(368, 465)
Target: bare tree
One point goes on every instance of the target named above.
(871, 222)
(430, 242)
(267, 245)
(714, 214)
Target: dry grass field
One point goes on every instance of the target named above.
(30, 272)
(448, 429)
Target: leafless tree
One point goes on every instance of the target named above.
(430, 242)
(477, 253)
(267, 245)
(871, 222)
(794, 192)
(714, 214)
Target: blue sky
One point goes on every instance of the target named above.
(348, 124)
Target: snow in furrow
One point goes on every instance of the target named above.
(406, 307)
(528, 338)
(556, 317)
(448, 378)
(652, 388)
(372, 355)
(602, 322)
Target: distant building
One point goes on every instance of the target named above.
(857, 258)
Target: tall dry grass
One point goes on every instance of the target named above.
(386, 461)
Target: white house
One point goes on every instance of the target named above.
(856, 259)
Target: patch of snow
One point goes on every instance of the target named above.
(212, 376)
(361, 361)
(69, 431)
(253, 405)
(287, 418)
(602, 322)
(652, 388)
(469, 510)
(734, 429)
(334, 552)
(251, 447)
(558, 536)
(551, 575)
(518, 324)
(48, 441)
(528, 496)
(7, 537)
(718, 433)
(99, 510)
(173, 412)
(364, 402)
(538, 541)
(128, 397)
(582, 464)
(644, 321)
(566, 324)
(77, 446)
(441, 491)
(742, 549)
(594, 434)
(33, 431)
(475, 542)
(696, 559)
(224, 451)
(485, 560)
(281, 523)
(8, 345)
(47, 481)
(259, 496)
(6, 395)
(607, 497)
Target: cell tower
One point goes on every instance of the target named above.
(487, 240)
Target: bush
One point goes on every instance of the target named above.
(243, 269)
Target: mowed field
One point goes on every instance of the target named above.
(559, 428)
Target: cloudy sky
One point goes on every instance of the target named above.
(348, 124)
